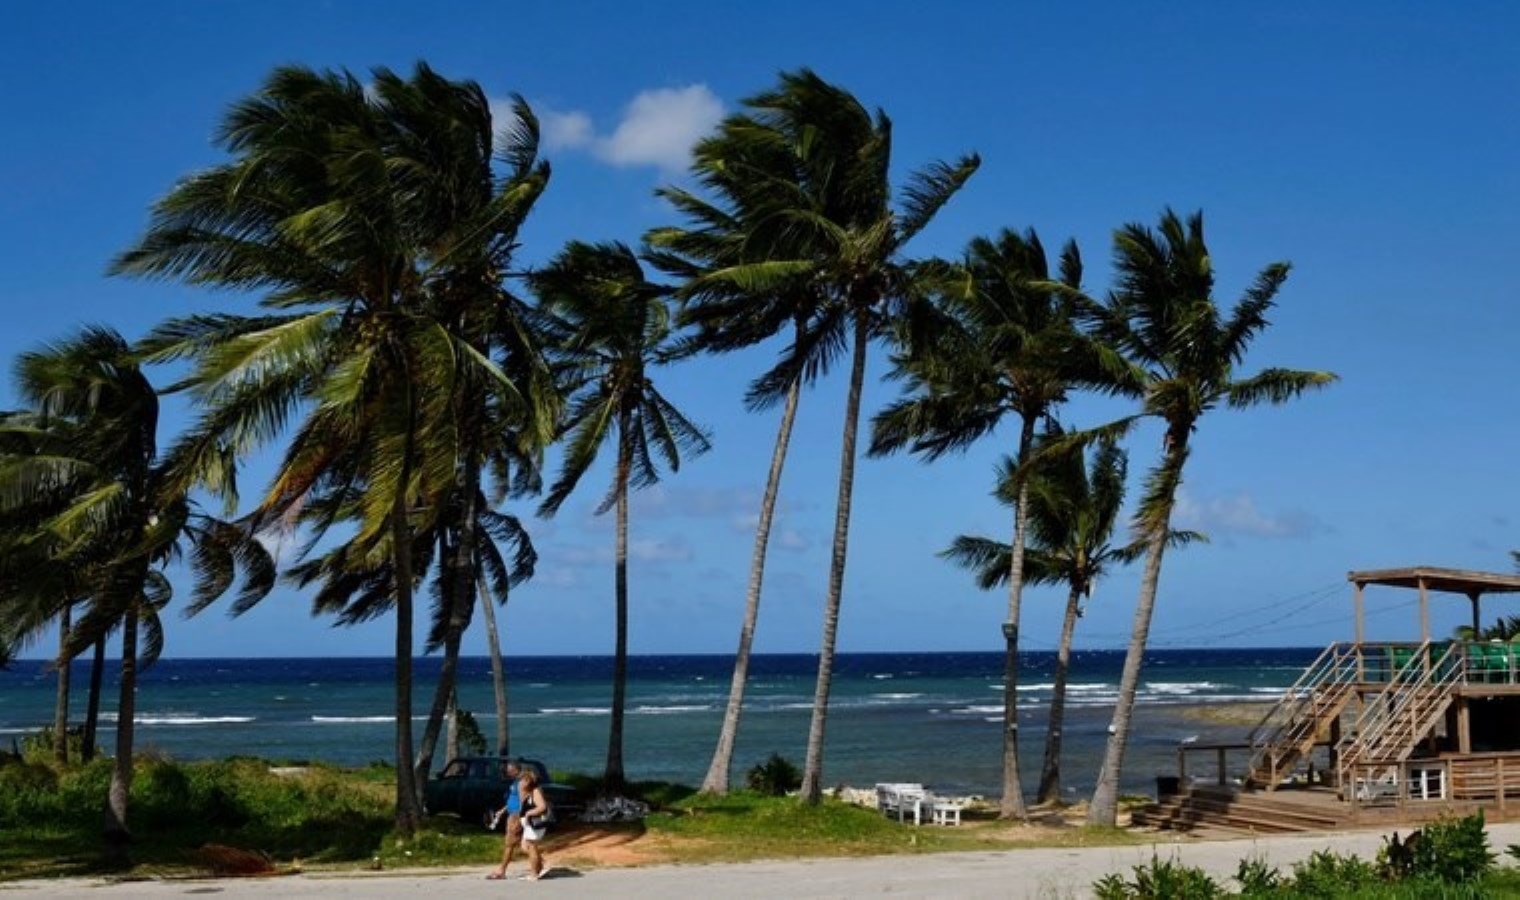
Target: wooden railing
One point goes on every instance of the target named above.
(1472, 778)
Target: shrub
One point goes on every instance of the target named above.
(1257, 879)
(774, 777)
(1327, 875)
(1449, 850)
(471, 740)
(1160, 880)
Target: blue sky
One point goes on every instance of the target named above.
(1375, 145)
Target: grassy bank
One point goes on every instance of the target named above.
(242, 814)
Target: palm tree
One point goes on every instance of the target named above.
(613, 327)
(104, 510)
(1072, 514)
(1007, 343)
(329, 209)
(735, 296)
(1182, 356)
(821, 161)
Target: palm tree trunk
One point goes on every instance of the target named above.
(92, 709)
(498, 671)
(612, 778)
(61, 703)
(1012, 804)
(451, 739)
(116, 834)
(812, 766)
(1104, 809)
(459, 591)
(1050, 772)
(718, 771)
(408, 812)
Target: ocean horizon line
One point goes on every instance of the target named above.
(1233, 648)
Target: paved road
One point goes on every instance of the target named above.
(1047, 874)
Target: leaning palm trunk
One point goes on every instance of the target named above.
(1050, 772)
(116, 833)
(408, 811)
(498, 671)
(1012, 804)
(92, 708)
(61, 704)
(612, 777)
(812, 766)
(1104, 809)
(459, 588)
(451, 739)
(716, 781)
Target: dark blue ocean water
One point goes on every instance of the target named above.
(930, 717)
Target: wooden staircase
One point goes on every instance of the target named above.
(1406, 712)
(1303, 717)
(1206, 809)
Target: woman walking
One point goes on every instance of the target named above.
(536, 815)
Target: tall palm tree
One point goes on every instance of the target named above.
(102, 508)
(735, 294)
(1182, 357)
(1072, 514)
(328, 209)
(1007, 345)
(613, 327)
(823, 159)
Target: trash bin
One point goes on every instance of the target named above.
(1167, 786)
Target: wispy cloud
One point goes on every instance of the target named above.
(1238, 515)
(658, 128)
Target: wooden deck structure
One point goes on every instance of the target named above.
(1372, 732)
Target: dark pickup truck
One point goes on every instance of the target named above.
(473, 787)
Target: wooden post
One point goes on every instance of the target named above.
(1424, 614)
(1499, 778)
(1222, 779)
(1464, 726)
(1356, 603)
(1181, 767)
(1477, 609)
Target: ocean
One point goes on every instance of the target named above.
(926, 717)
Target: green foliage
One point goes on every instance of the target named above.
(1161, 879)
(1327, 874)
(774, 777)
(471, 740)
(1257, 879)
(1450, 850)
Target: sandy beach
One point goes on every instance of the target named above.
(1064, 873)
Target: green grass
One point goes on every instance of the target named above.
(742, 826)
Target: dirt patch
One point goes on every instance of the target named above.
(596, 847)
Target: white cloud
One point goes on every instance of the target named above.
(658, 128)
(571, 130)
(1239, 515)
(794, 540)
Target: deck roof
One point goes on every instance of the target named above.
(1456, 581)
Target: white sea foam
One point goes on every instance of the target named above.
(882, 676)
(575, 710)
(1180, 687)
(977, 710)
(192, 720)
(351, 720)
(897, 696)
(666, 710)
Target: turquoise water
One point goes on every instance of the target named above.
(930, 717)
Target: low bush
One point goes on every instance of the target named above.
(1449, 851)
(1161, 879)
(775, 777)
